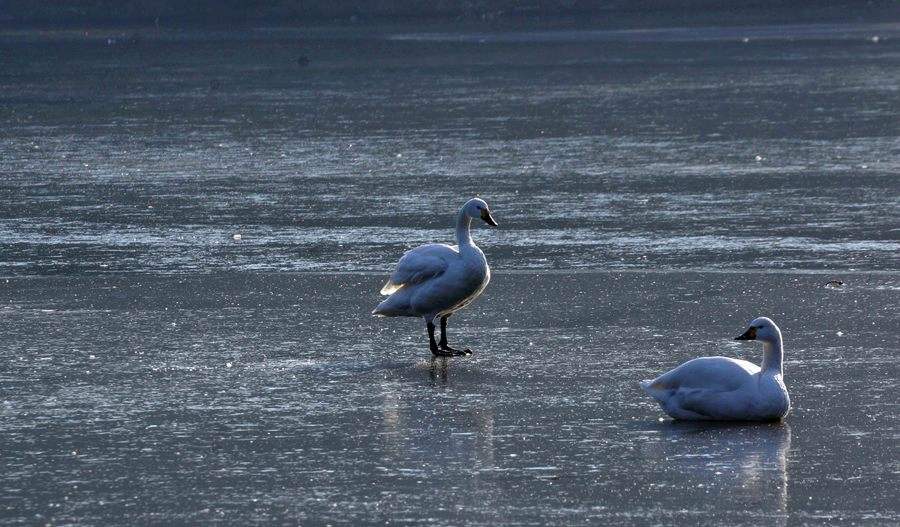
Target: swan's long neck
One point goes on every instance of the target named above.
(773, 355)
(463, 234)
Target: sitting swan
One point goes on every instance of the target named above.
(720, 388)
(436, 280)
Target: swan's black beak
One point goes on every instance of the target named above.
(486, 216)
(750, 334)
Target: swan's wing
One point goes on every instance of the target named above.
(418, 265)
(708, 373)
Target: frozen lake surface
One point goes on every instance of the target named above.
(148, 155)
(256, 397)
(655, 191)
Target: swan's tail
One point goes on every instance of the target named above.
(659, 392)
(392, 306)
(379, 310)
(652, 389)
(386, 312)
(387, 308)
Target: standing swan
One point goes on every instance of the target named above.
(724, 389)
(436, 280)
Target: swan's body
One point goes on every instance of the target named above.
(721, 388)
(436, 280)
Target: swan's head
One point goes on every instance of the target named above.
(478, 209)
(763, 329)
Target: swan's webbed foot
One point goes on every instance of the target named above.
(443, 349)
(446, 348)
(454, 351)
(446, 351)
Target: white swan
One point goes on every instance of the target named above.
(720, 388)
(436, 280)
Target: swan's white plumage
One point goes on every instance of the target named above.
(437, 279)
(722, 388)
(390, 288)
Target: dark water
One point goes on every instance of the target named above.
(655, 191)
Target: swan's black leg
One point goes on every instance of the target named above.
(434, 347)
(443, 343)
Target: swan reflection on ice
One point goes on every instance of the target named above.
(727, 459)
